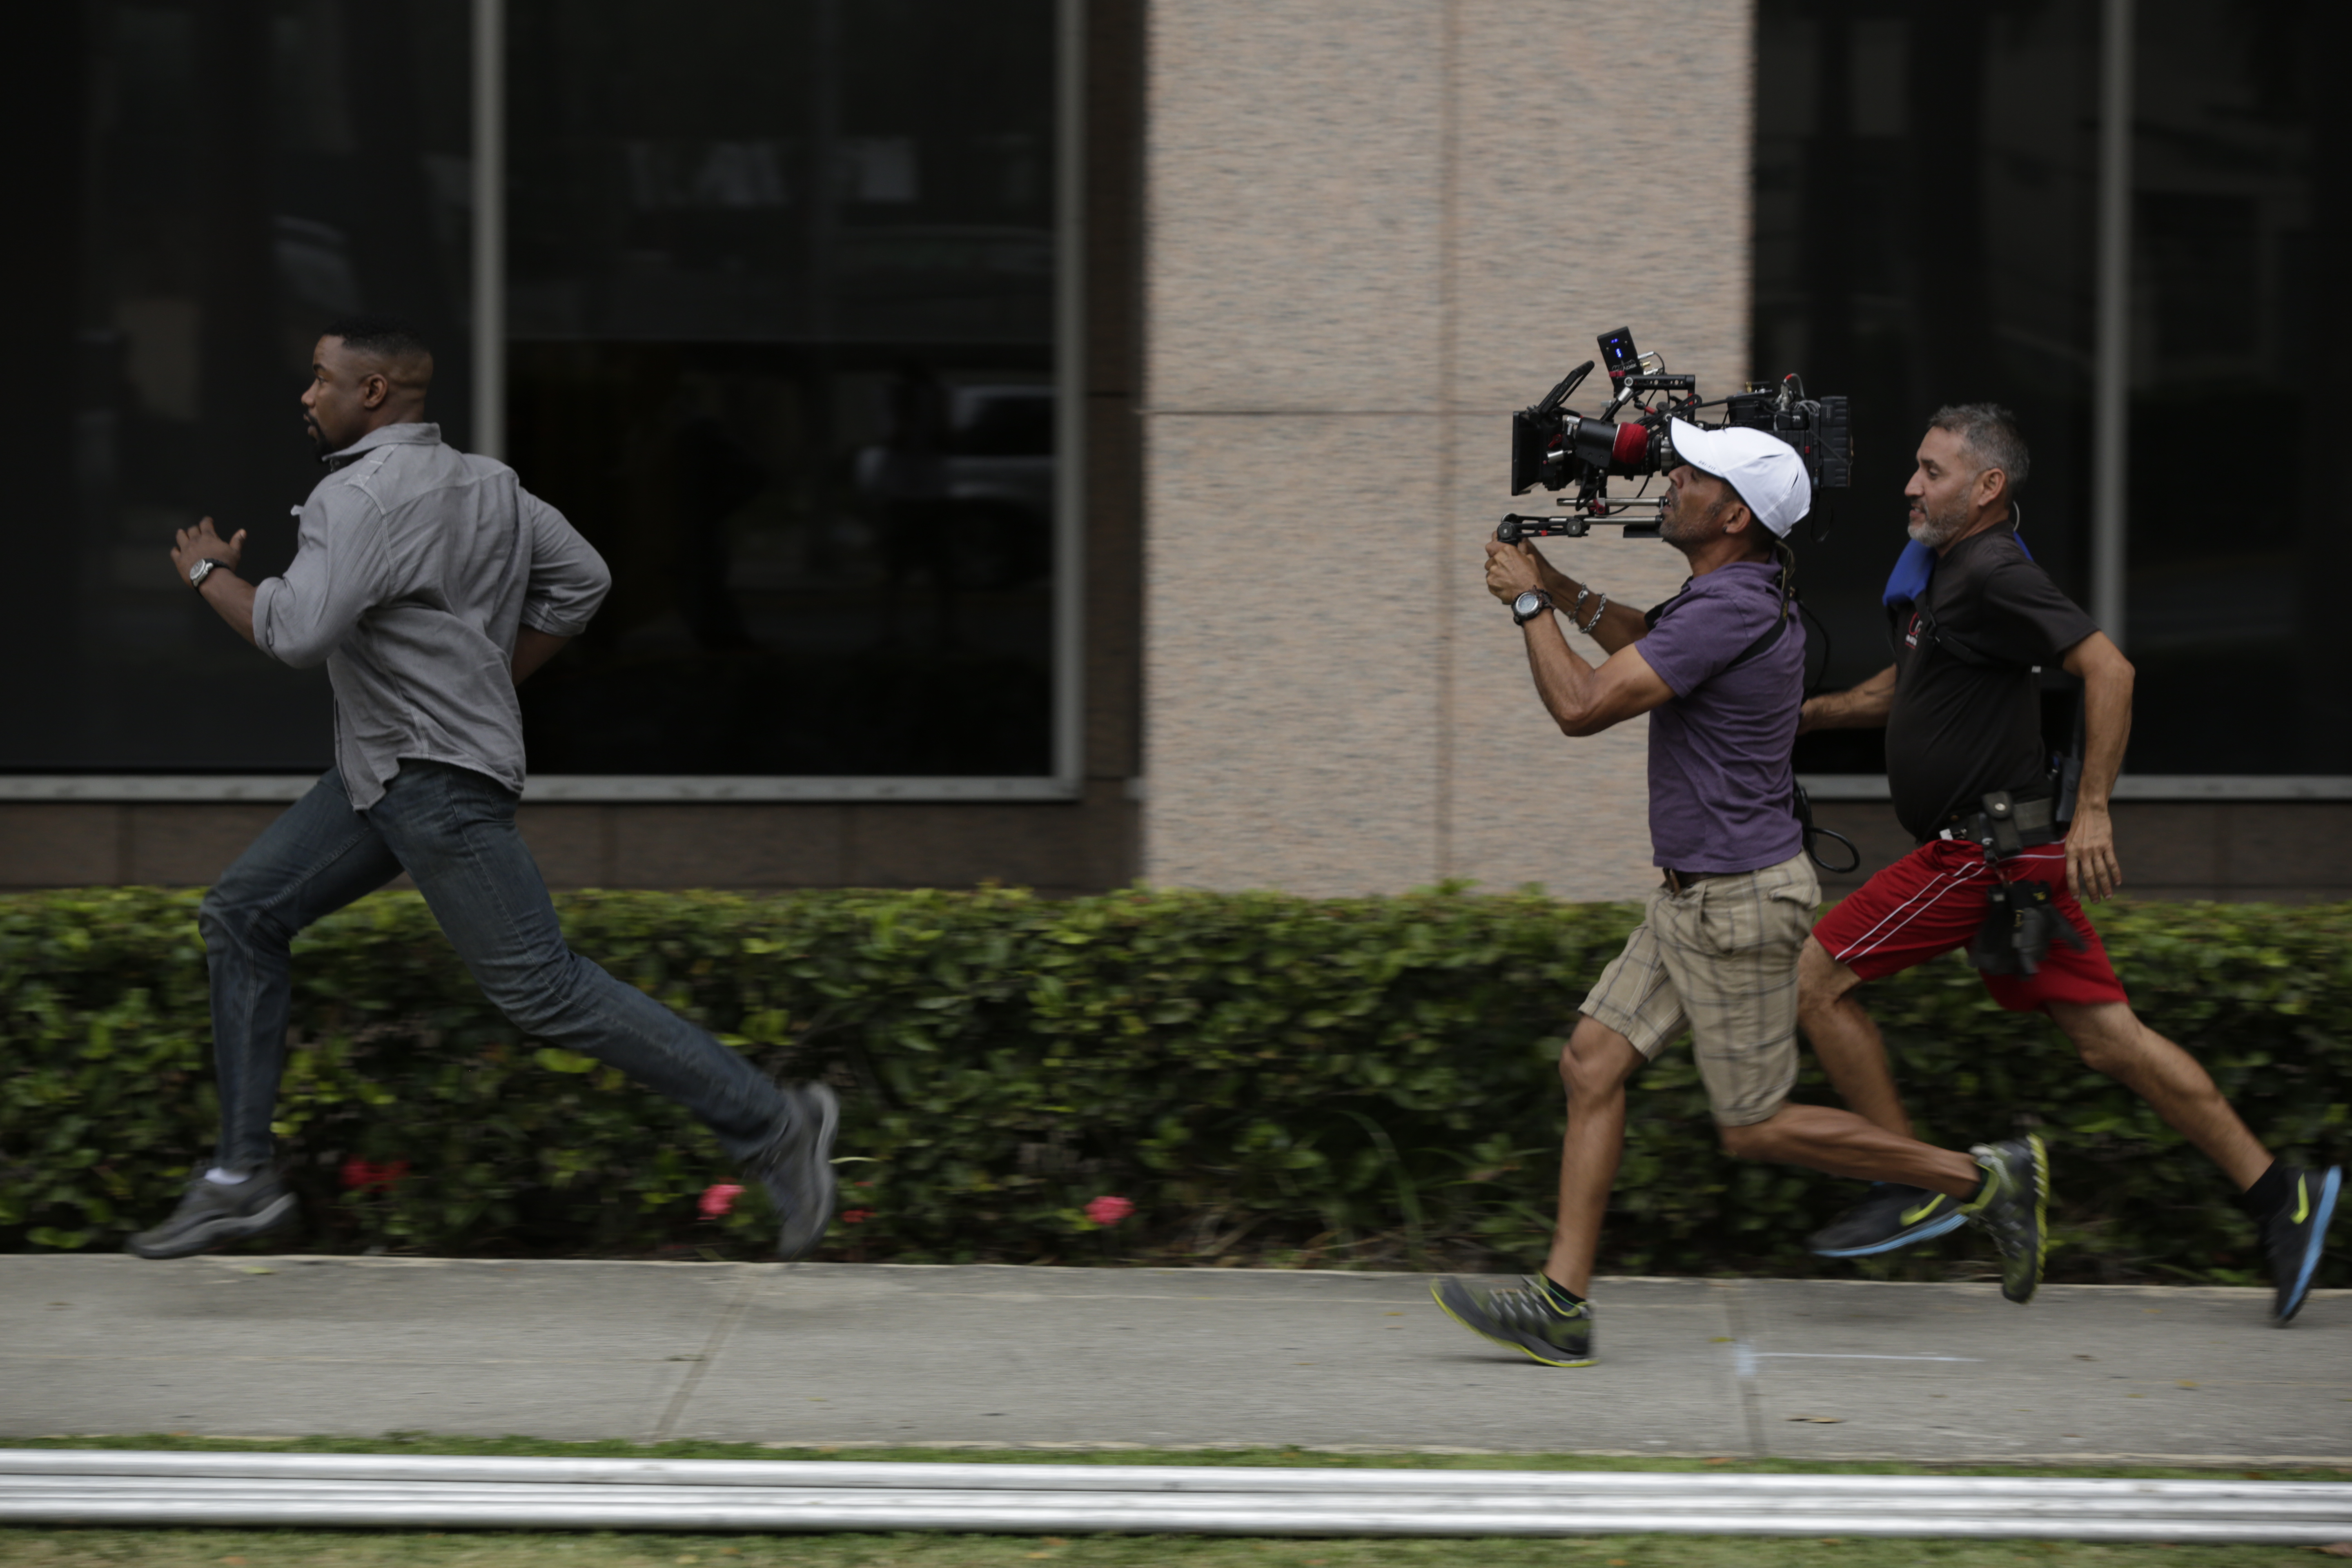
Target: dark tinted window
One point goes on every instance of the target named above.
(2237, 547)
(1925, 184)
(782, 311)
(1926, 187)
(235, 175)
(781, 304)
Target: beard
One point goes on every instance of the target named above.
(1937, 528)
(1683, 528)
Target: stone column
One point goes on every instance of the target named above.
(1372, 232)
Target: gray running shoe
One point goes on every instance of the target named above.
(796, 1167)
(212, 1213)
(2014, 1206)
(1526, 1318)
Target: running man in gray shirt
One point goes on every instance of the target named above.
(431, 584)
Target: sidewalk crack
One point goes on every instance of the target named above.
(1744, 1367)
(754, 1276)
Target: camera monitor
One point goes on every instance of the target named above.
(1618, 356)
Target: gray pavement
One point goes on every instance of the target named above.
(812, 1354)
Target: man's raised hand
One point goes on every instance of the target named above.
(190, 545)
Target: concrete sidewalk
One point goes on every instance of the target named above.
(839, 1353)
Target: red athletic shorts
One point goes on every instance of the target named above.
(1933, 901)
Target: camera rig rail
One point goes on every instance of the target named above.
(1553, 446)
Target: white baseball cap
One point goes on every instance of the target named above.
(1764, 470)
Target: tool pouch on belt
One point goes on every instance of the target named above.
(2022, 919)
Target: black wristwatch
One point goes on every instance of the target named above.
(1529, 606)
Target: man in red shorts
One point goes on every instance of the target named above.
(1973, 617)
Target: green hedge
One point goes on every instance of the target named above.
(1269, 1079)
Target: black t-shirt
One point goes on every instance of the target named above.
(1961, 730)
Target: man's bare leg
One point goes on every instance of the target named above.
(1840, 1143)
(1848, 1044)
(2114, 1041)
(1595, 1068)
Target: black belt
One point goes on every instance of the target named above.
(1678, 880)
(2005, 824)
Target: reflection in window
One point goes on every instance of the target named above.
(782, 309)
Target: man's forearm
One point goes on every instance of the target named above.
(532, 649)
(1563, 680)
(232, 596)
(2106, 731)
(1864, 707)
(1618, 625)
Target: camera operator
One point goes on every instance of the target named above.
(1974, 616)
(1720, 670)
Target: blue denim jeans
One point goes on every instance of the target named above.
(453, 830)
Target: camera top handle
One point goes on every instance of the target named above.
(1565, 390)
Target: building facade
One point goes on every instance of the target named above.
(1052, 440)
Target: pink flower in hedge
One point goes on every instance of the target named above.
(360, 1176)
(718, 1199)
(855, 1217)
(1108, 1210)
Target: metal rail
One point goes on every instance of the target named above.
(60, 1487)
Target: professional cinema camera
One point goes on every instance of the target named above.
(1552, 445)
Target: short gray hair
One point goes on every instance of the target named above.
(1989, 433)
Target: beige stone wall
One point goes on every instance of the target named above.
(1372, 229)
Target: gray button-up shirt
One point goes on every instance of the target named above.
(416, 566)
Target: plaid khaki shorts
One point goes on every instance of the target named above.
(1719, 958)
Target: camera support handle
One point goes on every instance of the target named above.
(1517, 526)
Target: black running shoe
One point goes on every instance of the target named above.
(214, 1214)
(2014, 1205)
(1528, 1319)
(2294, 1233)
(1891, 1217)
(796, 1167)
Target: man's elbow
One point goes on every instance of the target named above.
(2111, 672)
(1579, 726)
(295, 653)
(297, 648)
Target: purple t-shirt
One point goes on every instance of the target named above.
(1720, 780)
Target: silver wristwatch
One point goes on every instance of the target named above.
(1529, 606)
(203, 569)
